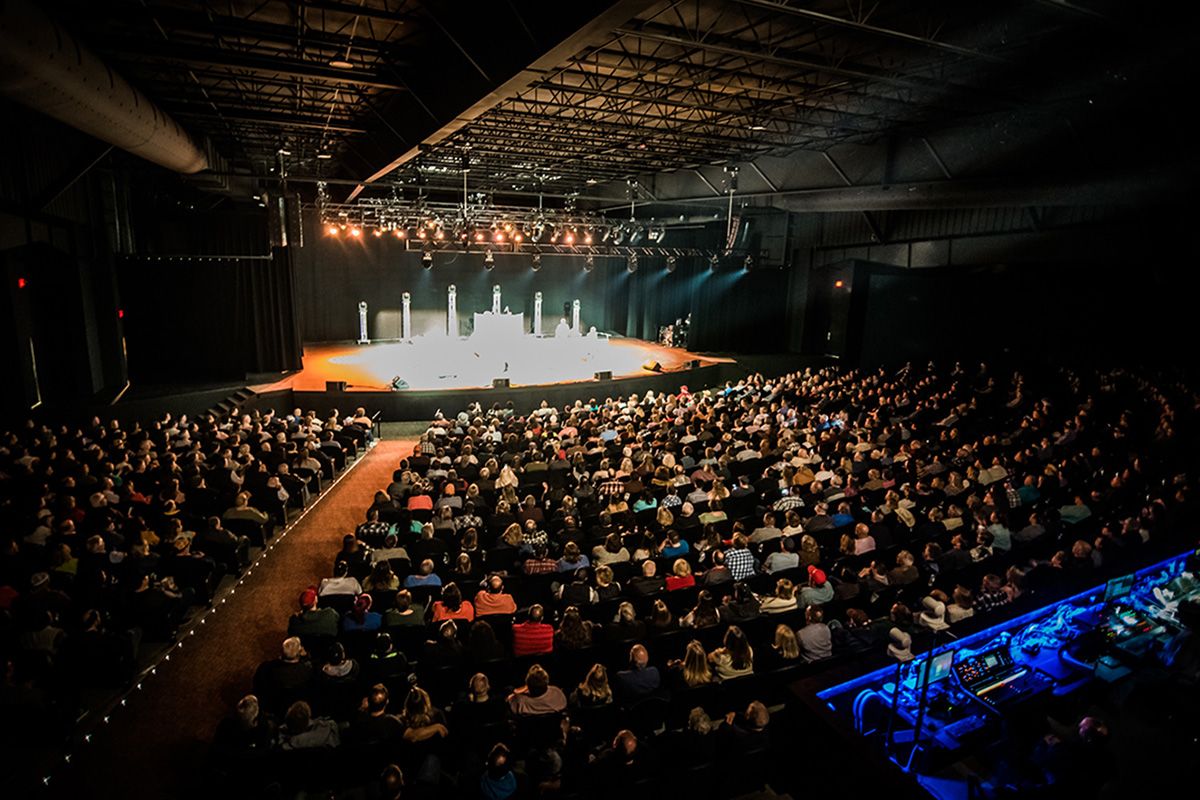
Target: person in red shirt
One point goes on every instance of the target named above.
(452, 605)
(492, 599)
(534, 636)
(682, 577)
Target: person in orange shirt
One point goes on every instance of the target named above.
(492, 599)
(452, 605)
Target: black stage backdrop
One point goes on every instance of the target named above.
(732, 310)
(208, 318)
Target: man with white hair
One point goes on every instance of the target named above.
(282, 681)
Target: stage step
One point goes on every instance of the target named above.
(233, 402)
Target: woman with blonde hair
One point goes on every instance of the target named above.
(810, 551)
(694, 669)
(593, 690)
(783, 600)
(786, 646)
(664, 518)
(513, 535)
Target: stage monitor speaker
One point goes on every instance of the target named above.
(335, 386)
(604, 375)
(500, 383)
(652, 366)
(693, 364)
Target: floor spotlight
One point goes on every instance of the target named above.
(489, 260)
(713, 262)
(427, 260)
(632, 263)
(588, 263)
(748, 263)
(671, 263)
(536, 262)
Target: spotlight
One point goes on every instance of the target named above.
(748, 263)
(439, 234)
(587, 238)
(713, 261)
(377, 233)
(332, 230)
(427, 260)
(536, 262)
(355, 231)
(632, 263)
(421, 233)
(518, 237)
(636, 235)
(569, 238)
(838, 284)
(671, 263)
(489, 260)
(588, 263)
(480, 236)
(399, 233)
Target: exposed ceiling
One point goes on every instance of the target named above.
(579, 97)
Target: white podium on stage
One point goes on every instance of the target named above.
(499, 327)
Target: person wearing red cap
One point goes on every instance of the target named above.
(311, 621)
(818, 590)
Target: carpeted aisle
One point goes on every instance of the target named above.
(155, 746)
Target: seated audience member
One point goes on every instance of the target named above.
(424, 577)
(301, 731)
(537, 696)
(312, 621)
(741, 606)
(681, 577)
(747, 732)
(402, 614)
(625, 626)
(648, 583)
(247, 733)
(342, 584)
(361, 617)
(492, 599)
(962, 605)
(593, 690)
(783, 559)
(534, 635)
(452, 606)
(705, 614)
(816, 640)
(784, 650)
(641, 679)
(372, 722)
(622, 764)
(783, 600)
(693, 669)
(283, 681)
(498, 781)
(735, 657)
(818, 591)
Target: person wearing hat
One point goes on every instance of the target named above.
(818, 591)
(311, 621)
(361, 617)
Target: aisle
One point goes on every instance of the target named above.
(155, 746)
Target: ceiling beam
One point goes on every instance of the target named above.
(279, 64)
(598, 29)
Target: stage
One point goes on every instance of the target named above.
(441, 363)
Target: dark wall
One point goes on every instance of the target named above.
(1036, 313)
(203, 319)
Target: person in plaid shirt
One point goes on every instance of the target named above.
(991, 595)
(740, 560)
(540, 563)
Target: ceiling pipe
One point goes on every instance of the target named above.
(44, 67)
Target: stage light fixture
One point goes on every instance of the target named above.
(489, 260)
(535, 263)
(671, 262)
(399, 233)
(355, 231)
(635, 236)
(324, 156)
(587, 238)
(427, 260)
(569, 238)
(332, 230)
(498, 237)
(518, 237)
(480, 236)
(377, 233)
(838, 284)
(421, 234)
(439, 234)
(713, 262)
(588, 263)
(632, 263)
(341, 63)
(748, 263)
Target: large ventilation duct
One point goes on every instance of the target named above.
(46, 68)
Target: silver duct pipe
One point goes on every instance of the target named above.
(46, 68)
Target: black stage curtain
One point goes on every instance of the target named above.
(210, 318)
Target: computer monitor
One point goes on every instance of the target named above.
(940, 666)
(1118, 588)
